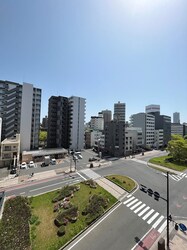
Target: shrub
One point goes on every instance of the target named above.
(61, 231)
(66, 191)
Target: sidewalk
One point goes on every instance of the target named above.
(164, 168)
(178, 239)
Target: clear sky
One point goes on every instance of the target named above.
(133, 51)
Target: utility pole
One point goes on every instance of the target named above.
(168, 210)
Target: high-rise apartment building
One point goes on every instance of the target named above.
(119, 111)
(45, 123)
(107, 115)
(176, 117)
(77, 106)
(58, 122)
(66, 118)
(20, 107)
(115, 138)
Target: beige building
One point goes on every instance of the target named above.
(10, 151)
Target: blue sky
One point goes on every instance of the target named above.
(133, 51)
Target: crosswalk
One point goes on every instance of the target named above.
(90, 173)
(149, 215)
(176, 177)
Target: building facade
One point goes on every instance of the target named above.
(115, 138)
(77, 107)
(107, 115)
(58, 122)
(176, 129)
(97, 122)
(152, 109)
(20, 107)
(176, 117)
(119, 111)
(147, 123)
(159, 138)
(133, 140)
(164, 122)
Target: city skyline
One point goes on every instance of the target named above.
(104, 51)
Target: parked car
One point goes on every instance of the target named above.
(53, 162)
(31, 164)
(24, 165)
(43, 164)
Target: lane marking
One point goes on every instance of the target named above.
(148, 214)
(130, 199)
(153, 218)
(91, 229)
(51, 185)
(162, 227)
(158, 221)
(132, 202)
(137, 204)
(22, 193)
(143, 212)
(81, 176)
(128, 196)
(139, 208)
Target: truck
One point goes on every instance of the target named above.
(47, 160)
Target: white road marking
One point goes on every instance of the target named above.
(143, 212)
(128, 196)
(132, 202)
(162, 227)
(22, 193)
(153, 218)
(139, 208)
(148, 214)
(158, 221)
(137, 204)
(51, 185)
(130, 199)
(77, 241)
(81, 176)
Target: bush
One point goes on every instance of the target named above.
(66, 191)
(61, 231)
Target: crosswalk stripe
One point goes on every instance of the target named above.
(128, 196)
(132, 202)
(174, 177)
(130, 199)
(153, 218)
(139, 208)
(178, 177)
(162, 227)
(142, 212)
(148, 214)
(183, 175)
(158, 221)
(180, 173)
(137, 204)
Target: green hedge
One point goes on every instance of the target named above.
(14, 227)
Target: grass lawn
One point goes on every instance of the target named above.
(44, 235)
(171, 165)
(122, 181)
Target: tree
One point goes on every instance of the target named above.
(43, 136)
(177, 148)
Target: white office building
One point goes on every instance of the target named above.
(133, 139)
(152, 108)
(176, 117)
(20, 107)
(177, 129)
(77, 106)
(159, 138)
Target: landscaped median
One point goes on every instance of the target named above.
(122, 181)
(167, 161)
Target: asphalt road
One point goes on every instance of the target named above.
(122, 228)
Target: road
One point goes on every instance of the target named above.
(128, 223)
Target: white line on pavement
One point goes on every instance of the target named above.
(142, 212)
(162, 227)
(130, 199)
(22, 193)
(94, 226)
(139, 208)
(153, 218)
(158, 221)
(148, 214)
(132, 202)
(137, 204)
(81, 176)
(51, 185)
